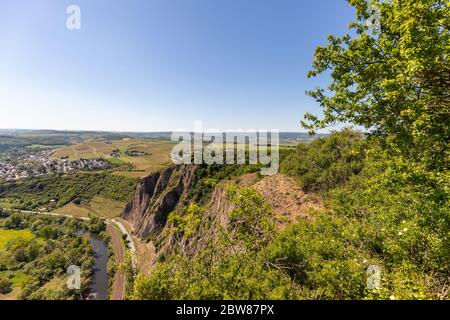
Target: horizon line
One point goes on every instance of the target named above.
(130, 131)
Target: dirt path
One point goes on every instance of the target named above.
(54, 214)
(119, 281)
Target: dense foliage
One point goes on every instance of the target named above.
(328, 162)
(42, 260)
(232, 266)
(393, 78)
(207, 176)
(35, 192)
(385, 217)
(386, 195)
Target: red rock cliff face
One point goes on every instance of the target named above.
(156, 196)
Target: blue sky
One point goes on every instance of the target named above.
(153, 65)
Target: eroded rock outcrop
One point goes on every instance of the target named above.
(169, 191)
(156, 197)
(216, 213)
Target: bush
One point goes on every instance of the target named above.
(15, 221)
(96, 225)
(5, 286)
(327, 162)
(35, 192)
(4, 214)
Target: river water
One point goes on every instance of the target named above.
(99, 284)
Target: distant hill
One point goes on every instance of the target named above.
(65, 137)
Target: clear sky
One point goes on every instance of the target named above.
(153, 65)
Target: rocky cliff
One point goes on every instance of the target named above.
(156, 197)
(215, 214)
(169, 191)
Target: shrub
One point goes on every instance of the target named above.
(327, 162)
(5, 286)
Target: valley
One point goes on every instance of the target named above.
(315, 164)
(209, 231)
(87, 193)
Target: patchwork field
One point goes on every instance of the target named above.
(146, 156)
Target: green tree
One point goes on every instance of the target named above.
(5, 286)
(327, 162)
(96, 225)
(14, 221)
(394, 79)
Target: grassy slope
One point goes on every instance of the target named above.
(98, 206)
(75, 210)
(107, 207)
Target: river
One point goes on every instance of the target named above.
(99, 284)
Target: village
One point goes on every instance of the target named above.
(38, 164)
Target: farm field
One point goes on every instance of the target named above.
(106, 207)
(74, 210)
(98, 206)
(146, 156)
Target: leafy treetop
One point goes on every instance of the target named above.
(393, 78)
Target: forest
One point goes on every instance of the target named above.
(35, 252)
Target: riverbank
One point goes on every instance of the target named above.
(100, 278)
(116, 231)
